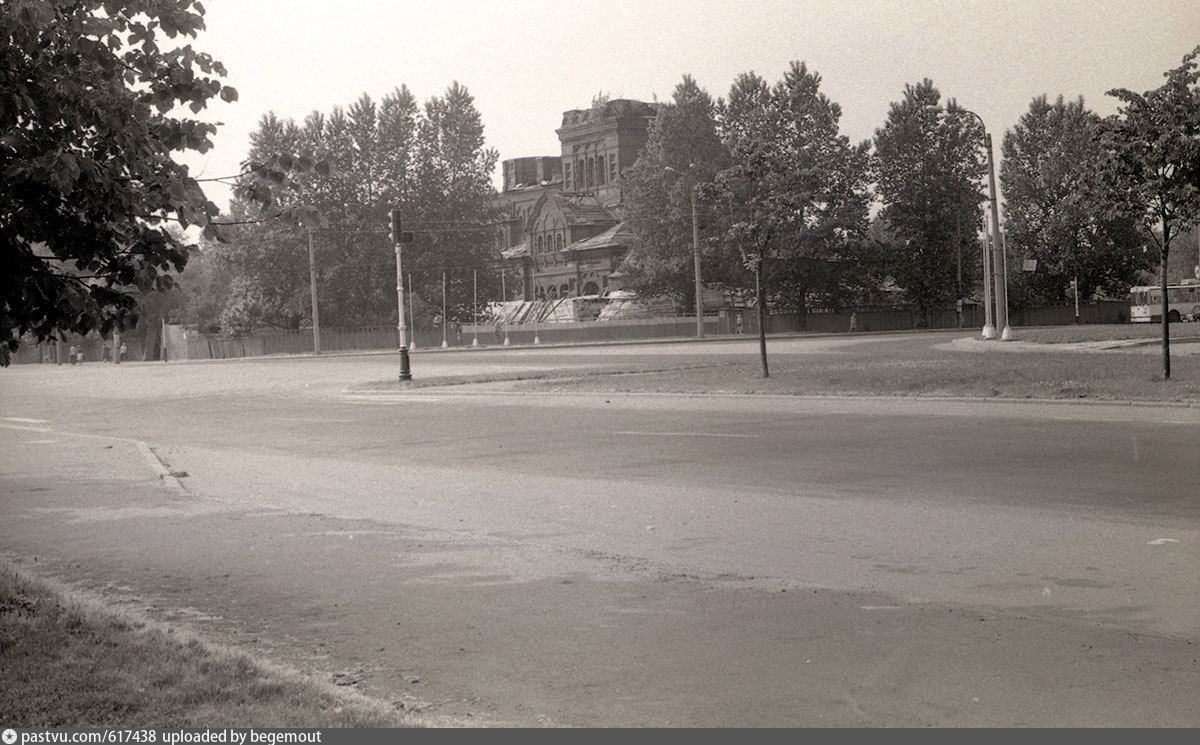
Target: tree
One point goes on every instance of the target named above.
(682, 153)
(430, 163)
(928, 164)
(1055, 213)
(451, 200)
(1153, 164)
(796, 191)
(89, 185)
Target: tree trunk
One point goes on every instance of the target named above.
(1166, 318)
(762, 317)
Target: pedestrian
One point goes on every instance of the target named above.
(124, 349)
(739, 322)
(71, 355)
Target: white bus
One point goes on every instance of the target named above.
(1183, 302)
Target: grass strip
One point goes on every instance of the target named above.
(66, 661)
(1035, 374)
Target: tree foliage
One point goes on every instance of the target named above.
(1153, 163)
(928, 164)
(88, 182)
(1055, 212)
(683, 152)
(429, 162)
(795, 193)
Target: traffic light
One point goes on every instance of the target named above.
(397, 234)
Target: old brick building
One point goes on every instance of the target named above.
(561, 222)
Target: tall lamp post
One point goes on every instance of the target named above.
(695, 251)
(999, 275)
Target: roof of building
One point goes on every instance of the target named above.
(582, 209)
(618, 236)
(516, 252)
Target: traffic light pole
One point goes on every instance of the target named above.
(402, 327)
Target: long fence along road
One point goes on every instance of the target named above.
(502, 553)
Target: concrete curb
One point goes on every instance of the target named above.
(436, 389)
(157, 465)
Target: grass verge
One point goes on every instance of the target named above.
(898, 368)
(1113, 332)
(69, 662)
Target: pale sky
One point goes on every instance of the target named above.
(527, 61)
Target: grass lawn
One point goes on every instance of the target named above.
(1113, 332)
(902, 369)
(70, 663)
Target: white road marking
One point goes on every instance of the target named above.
(882, 607)
(39, 442)
(394, 399)
(1162, 541)
(309, 419)
(683, 434)
(23, 419)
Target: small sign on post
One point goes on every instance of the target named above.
(1029, 265)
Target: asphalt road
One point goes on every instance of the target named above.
(482, 553)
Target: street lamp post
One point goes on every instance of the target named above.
(998, 271)
(999, 275)
(695, 251)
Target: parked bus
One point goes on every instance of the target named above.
(1183, 302)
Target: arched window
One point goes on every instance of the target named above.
(601, 171)
(591, 172)
(552, 293)
(539, 244)
(565, 290)
(567, 176)
(558, 241)
(591, 288)
(580, 176)
(612, 166)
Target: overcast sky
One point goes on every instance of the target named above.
(527, 61)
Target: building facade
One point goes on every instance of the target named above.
(561, 216)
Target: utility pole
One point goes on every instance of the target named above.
(412, 340)
(444, 344)
(696, 261)
(475, 306)
(312, 288)
(399, 238)
(695, 247)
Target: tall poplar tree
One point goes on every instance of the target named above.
(928, 164)
(682, 153)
